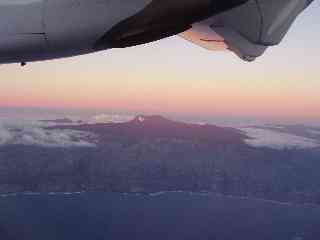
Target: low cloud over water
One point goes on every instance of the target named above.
(273, 138)
(28, 133)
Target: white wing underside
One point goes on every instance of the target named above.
(205, 37)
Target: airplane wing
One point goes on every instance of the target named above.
(249, 29)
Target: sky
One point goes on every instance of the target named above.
(175, 77)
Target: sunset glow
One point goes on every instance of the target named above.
(175, 77)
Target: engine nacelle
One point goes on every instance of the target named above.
(44, 29)
(252, 27)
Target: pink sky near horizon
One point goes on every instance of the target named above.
(175, 77)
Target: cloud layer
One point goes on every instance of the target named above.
(277, 140)
(11, 134)
(314, 132)
(110, 118)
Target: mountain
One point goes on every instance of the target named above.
(152, 154)
(154, 127)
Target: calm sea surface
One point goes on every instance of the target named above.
(175, 216)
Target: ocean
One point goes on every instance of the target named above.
(171, 215)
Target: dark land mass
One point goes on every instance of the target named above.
(153, 154)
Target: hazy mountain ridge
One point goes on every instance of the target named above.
(152, 154)
(159, 127)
